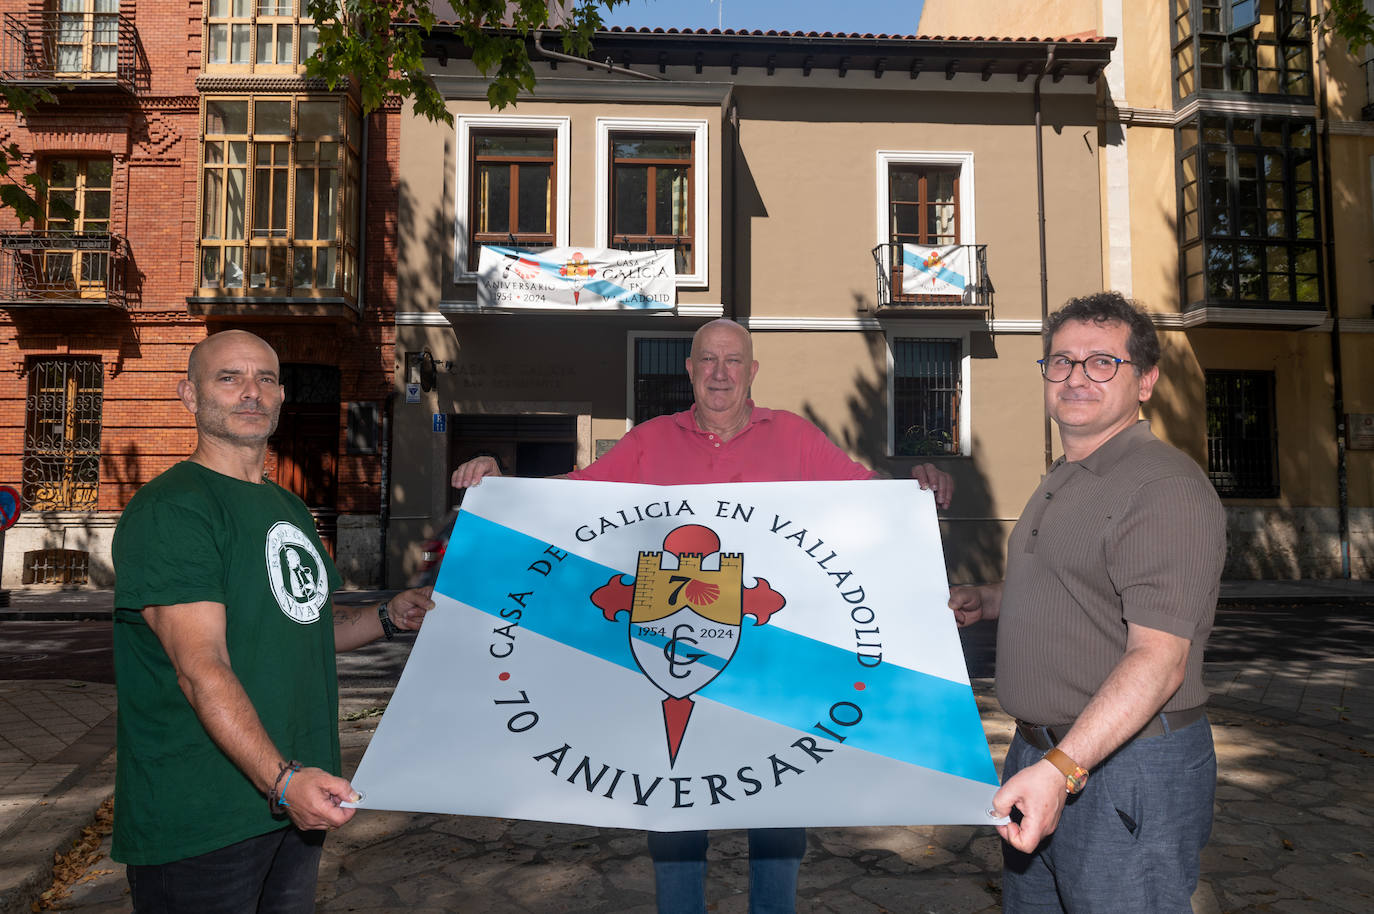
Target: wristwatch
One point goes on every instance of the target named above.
(388, 628)
(1075, 775)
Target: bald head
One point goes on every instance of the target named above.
(203, 354)
(724, 328)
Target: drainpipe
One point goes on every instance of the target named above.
(607, 65)
(1040, 222)
(731, 252)
(1329, 244)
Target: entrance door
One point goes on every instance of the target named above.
(303, 454)
(523, 445)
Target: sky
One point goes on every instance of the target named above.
(890, 17)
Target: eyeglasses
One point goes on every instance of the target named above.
(1099, 368)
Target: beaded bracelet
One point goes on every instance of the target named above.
(276, 798)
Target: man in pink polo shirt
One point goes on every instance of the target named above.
(724, 437)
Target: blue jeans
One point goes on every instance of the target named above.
(775, 856)
(1130, 841)
(273, 873)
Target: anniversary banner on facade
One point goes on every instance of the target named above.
(936, 270)
(575, 278)
(688, 657)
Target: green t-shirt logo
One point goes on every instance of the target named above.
(296, 572)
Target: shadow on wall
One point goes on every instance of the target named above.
(974, 549)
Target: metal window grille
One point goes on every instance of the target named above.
(661, 383)
(56, 566)
(926, 387)
(1242, 445)
(62, 435)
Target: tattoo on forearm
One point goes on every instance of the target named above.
(350, 616)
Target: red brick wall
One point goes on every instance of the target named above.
(153, 137)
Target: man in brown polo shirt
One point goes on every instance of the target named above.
(1110, 591)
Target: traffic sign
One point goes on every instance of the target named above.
(9, 506)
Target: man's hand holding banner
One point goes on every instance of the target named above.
(688, 657)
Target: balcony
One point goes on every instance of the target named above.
(48, 48)
(1367, 112)
(65, 269)
(952, 278)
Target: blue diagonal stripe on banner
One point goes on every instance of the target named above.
(943, 274)
(775, 674)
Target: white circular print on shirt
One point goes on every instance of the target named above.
(296, 572)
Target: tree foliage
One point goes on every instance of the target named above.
(1350, 20)
(378, 44)
(27, 195)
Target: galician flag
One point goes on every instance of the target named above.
(688, 657)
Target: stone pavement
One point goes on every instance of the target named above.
(1294, 743)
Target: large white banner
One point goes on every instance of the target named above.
(688, 657)
(936, 271)
(575, 278)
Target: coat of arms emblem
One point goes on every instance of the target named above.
(686, 613)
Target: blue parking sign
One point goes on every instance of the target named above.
(440, 422)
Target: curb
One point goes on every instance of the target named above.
(50, 826)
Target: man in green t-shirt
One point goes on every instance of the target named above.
(228, 762)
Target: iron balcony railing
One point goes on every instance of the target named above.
(79, 269)
(46, 47)
(977, 291)
(1367, 112)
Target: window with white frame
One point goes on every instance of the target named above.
(924, 198)
(928, 393)
(512, 186)
(652, 187)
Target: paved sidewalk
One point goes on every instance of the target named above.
(1294, 743)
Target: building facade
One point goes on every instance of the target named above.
(786, 172)
(1237, 166)
(198, 182)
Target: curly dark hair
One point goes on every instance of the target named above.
(1111, 307)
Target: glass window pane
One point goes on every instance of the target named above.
(651, 147)
(99, 172)
(537, 144)
(310, 41)
(219, 44)
(226, 117)
(97, 205)
(493, 198)
(670, 201)
(325, 265)
(301, 273)
(631, 200)
(905, 186)
(238, 44)
(238, 153)
(235, 200)
(233, 268)
(536, 186)
(271, 118)
(325, 224)
(305, 204)
(315, 119)
(209, 266)
(284, 45)
(265, 44)
(212, 201)
(906, 220)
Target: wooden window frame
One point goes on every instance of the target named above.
(518, 237)
(268, 245)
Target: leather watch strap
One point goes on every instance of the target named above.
(1075, 775)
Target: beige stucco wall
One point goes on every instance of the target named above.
(1029, 18)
